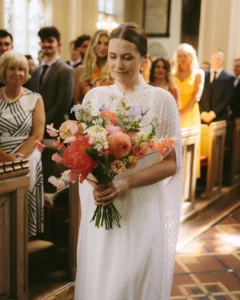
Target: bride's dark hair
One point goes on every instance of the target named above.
(132, 33)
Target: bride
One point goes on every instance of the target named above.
(134, 262)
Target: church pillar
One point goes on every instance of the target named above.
(72, 18)
(1, 13)
(219, 30)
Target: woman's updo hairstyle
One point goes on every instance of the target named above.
(132, 33)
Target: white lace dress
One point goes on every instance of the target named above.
(134, 262)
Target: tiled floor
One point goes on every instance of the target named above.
(208, 267)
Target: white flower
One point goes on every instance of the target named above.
(91, 131)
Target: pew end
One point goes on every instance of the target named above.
(212, 147)
(190, 144)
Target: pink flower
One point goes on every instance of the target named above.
(70, 128)
(57, 158)
(112, 129)
(40, 146)
(76, 158)
(51, 130)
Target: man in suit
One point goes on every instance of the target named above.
(75, 60)
(6, 44)
(54, 81)
(217, 92)
(235, 103)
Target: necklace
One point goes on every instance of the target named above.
(11, 100)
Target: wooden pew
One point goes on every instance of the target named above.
(14, 183)
(190, 144)
(235, 160)
(212, 146)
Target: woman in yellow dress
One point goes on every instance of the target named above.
(189, 79)
(94, 71)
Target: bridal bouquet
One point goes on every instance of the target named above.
(104, 145)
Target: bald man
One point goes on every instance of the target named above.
(217, 92)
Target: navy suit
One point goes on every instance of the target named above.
(217, 95)
(235, 103)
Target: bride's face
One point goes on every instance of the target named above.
(124, 60)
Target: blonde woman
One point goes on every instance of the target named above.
(22, 121)
(189, 79)
(94, 71)
(161, 76)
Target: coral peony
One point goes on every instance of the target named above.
(76, 158)
(119, 144)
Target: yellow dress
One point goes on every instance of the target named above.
(192, 117)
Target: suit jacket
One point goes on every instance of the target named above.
(235, 103)
(57, 91)
(217, 96)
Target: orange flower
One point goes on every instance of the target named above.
(110, 115)
(119, 144)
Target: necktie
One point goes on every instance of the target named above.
(215, 76)
(45, 67)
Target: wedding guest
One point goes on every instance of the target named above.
(94, 71)
(235, 102)
(189, 80)
(135, 261)
(81, 44)
(22, 120)
(75, 58)
(205, 66)
(161, 76)
(146, 68)
(31, 63)
(40, 57)
(217, 92)
(54, 81)
(6, 41)
(6, 44)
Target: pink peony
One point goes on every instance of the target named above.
(112, 129)
(119, 144)
(76, 158)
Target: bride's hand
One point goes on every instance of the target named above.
(105, 196)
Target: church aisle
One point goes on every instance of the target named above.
(208, 267)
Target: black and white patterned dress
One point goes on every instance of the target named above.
(15, 128)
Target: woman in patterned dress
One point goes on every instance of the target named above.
(94, 71)
(22, 120)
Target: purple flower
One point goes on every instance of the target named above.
(103, 107)
(132, 112)
(143, 113)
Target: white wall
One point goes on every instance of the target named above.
(220, 29)
(170, 44)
